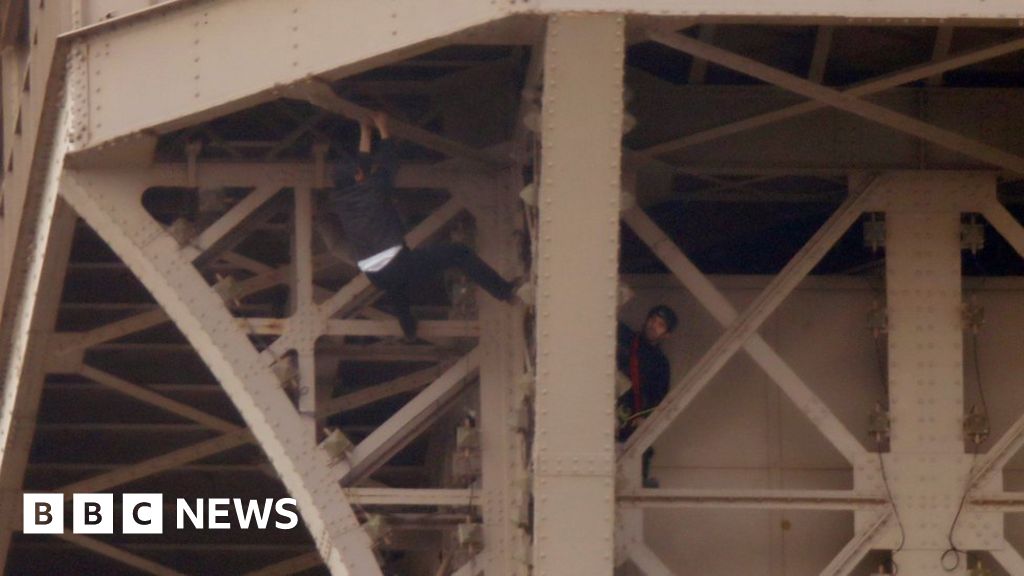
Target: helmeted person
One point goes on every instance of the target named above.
(639, 358)
(361, 201)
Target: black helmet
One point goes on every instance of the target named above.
(666, 314)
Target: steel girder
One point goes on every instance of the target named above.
(214, 61)
(573, 458)
(111, 203)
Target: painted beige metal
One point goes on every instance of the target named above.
(213, 62)
(110, 203)
(23, 382)
(37, 243)
(746, 324)
(574, 478)
(823, 10)
(32, 85)
(862, 89)
(114, 553)
(868, 110)
(505, 478)
(725, 314)
(927, 466)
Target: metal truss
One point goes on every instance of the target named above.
(371, 453)
(857, 91)
(836, 99)
(27, 329)
(742, 328)
(838, 11)
(574, 463)
(110, 203)
(321, 38)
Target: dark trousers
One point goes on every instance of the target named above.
(412, 266)
(623, 434)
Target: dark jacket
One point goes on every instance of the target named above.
(654, 370)
(369, 219)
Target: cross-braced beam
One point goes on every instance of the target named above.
(162, 463)
(143, 394)
(647, 561)
(408, 422)
(847, 559)
(290, 566)
(1013, 439)
(122, 556)
(110, 203)
(401, 385)
(841, 101)
(860, 90)
(1010, 559)
(743, 327)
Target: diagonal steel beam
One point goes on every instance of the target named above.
(1013, 439)
(149, 397)
(320, 94)
(147, 320)
(746, 325)
(306, 125)
(860, 90)
(408, 422)
(120, 328)
(158, 464)
(943, 38)
(401, 385)
(110, 202)
(290, 566)
(647, 561)
(850, 556)
(1009, 558)
(122, 556)
(724, 313)
(230, 228)
(845, 102)
(819, 58)
(474, 566)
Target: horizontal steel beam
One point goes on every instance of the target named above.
(839, 11)
(357, 327)
(752, 499)
(212, 63)
(413, 496)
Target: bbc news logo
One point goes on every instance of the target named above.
(144, 514)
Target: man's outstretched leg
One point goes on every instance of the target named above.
(400, 298)
(430, 260)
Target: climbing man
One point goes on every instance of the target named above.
(639, 358)
(361, 202)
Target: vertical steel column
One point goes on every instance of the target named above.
(503, 351)
(574, 464)
(927, 466)
(302, 301)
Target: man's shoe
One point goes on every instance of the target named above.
(651, 483)
(524, 293)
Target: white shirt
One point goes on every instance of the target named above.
(378, 261)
